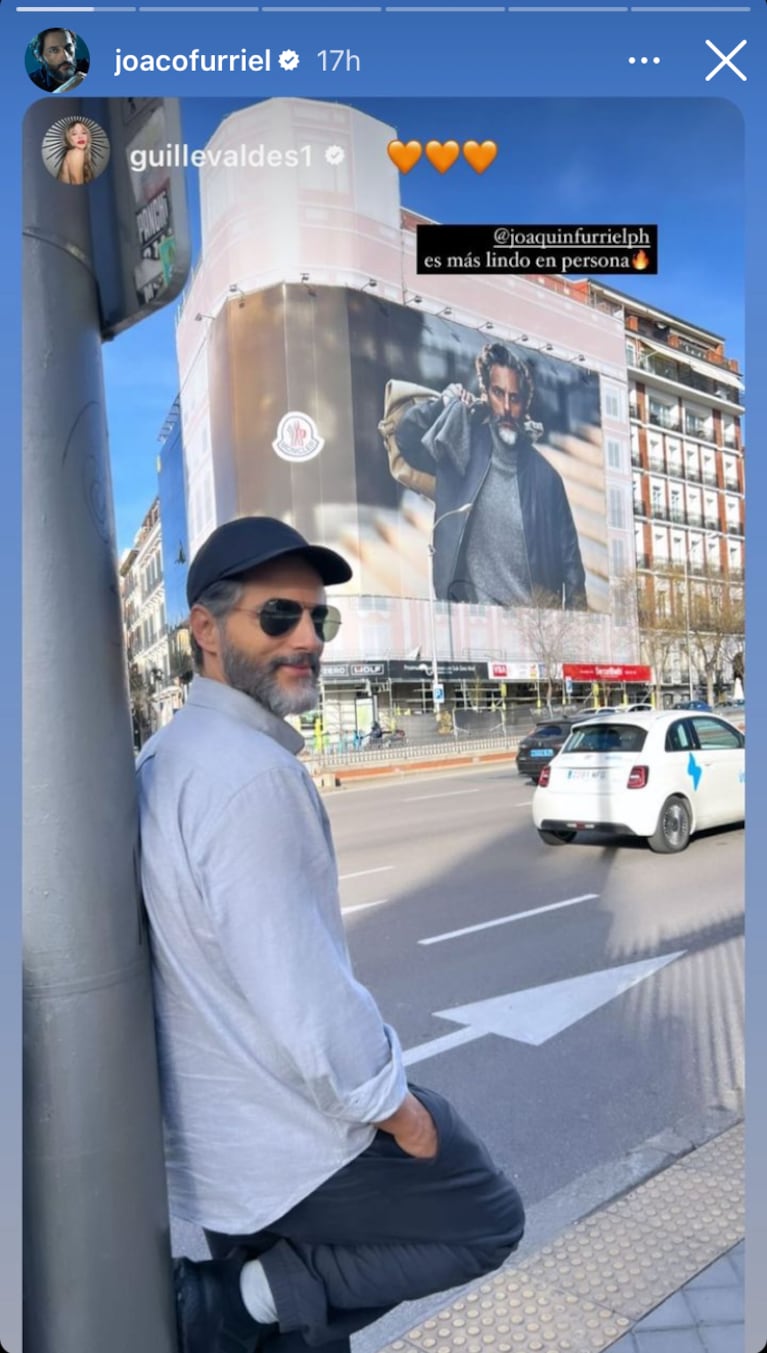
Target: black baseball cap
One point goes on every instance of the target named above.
(238, 546)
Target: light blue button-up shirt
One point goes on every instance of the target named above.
(274, 1060)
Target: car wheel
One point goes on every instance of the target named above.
(672, 833)
(561, 838)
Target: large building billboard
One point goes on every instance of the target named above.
(353, 417)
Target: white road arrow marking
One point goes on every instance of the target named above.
(538, 1013)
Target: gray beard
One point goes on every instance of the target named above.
(259, 680)
(507, 435)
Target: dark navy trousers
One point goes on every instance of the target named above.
(386, 1228)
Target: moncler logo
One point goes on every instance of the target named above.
(297, 437)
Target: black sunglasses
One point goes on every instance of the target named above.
(279, 616)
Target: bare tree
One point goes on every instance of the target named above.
(549, 631)
(717, 623)
(662, 626)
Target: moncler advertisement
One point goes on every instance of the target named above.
(413, 443)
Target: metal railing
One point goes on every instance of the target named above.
(449, 746)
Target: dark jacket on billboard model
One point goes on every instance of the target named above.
(454, 443)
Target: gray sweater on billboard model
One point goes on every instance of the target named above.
(455, 443)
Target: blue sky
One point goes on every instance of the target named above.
(677, 162)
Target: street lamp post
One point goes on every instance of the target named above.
(432, 610)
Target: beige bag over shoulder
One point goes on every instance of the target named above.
(399, 397)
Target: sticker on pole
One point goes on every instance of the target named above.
(297, 437)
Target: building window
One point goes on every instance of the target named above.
(616, 510)
(614, 454)
(613, 402)
(662, 415)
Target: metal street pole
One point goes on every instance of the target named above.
(96, 1232)
(465, 507)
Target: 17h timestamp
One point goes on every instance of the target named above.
(339, 58)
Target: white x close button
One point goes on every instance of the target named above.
(726, 60)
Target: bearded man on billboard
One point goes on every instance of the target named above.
(505, 532)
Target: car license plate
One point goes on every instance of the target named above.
(587, 774)
(542, 751)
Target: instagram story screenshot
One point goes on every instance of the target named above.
(378, 385)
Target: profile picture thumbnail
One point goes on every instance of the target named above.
(57, 60)
(76, 150)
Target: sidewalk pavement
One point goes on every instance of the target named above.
(657, 1270)
(704, 1316)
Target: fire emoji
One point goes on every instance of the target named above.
(640, 261)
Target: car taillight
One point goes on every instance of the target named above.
(638, 777)
(544, 777)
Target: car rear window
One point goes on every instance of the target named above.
(549, 730)
(606, 737)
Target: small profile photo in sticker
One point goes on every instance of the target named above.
(57, 60)
(76, 150)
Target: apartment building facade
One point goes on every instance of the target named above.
(685, 409)
(154, 695)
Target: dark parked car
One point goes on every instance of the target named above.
(537, 748)
(699, 705)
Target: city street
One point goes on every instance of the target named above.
(645, 1027)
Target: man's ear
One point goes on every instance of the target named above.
(204, 627)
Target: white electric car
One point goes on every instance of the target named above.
(661, 775)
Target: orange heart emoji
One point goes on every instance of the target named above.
(480, 156)
(404, 156)
(443, 154)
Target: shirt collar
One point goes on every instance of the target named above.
(210, 694)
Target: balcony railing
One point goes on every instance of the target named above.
(639, 507)
(636, 458)
(684, 375)
(694, 519)
(660, 420)
(657, 463)
(709, 477)
(734, 528)
(711, 523)
(703, 431)
(692, 473)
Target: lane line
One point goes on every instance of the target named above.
(363, 906)
(449, 794)
(506, 920)
(360, 873)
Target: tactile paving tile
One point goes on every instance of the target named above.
(623, 1264)
(726, 1153)
(584, 1290)
(513, 1315)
